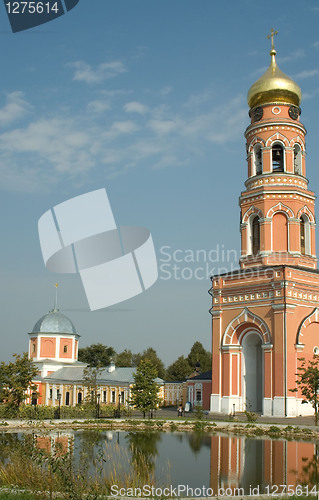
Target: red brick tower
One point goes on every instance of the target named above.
(265, 315)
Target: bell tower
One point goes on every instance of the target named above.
(265, 315)
(277, 209)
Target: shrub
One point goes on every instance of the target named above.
(199, 426)
(273, 429)
(251, 416)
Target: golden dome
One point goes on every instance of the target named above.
(274, 86)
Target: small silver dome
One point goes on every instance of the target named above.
(54, 322)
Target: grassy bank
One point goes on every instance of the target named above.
(183, 425)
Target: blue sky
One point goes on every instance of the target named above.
(147, 99)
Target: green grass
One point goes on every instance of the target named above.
(5, 495)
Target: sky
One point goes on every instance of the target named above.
(146, 99)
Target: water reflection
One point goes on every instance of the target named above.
(218, 462)
(239, 462)
(144, 449)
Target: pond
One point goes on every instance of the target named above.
(194, 464)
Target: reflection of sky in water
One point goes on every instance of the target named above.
(180, 458)
(186, 465)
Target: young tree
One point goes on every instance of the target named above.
(15, 380)
(144, 393)
(308, 382)
(96, 355)
(91, 375)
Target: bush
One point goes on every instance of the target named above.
(273, 429)
(199, 426)
(41, 412)
(251, 416)
(199, 412)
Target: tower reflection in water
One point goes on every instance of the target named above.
(241, 462)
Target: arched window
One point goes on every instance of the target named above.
(280, 232)
(257, 159)
(297, 159)
(305, 248)
(277, 158)
(255, 236)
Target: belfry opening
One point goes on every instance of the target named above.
(265, 315)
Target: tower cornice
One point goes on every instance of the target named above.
(273, 126)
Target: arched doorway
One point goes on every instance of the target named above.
(252, 372)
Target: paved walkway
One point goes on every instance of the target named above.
(170, 413)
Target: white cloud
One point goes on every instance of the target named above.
(98, 106)
(44, 152)
(166, 90)
(85, 73)
(162, 126)
(297, 54)
(136, 107)
(70, 147)
(15, 108)
(310, 95)
(125, 127)
(307, 74)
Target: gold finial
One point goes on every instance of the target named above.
(272, 34)
(56, 297)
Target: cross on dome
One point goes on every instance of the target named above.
(56, 297)
(271, 36)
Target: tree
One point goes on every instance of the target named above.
(124, 359)
(152, 356)
(144, 392)
(199, 354)
(16, 379)
(179, 370)
(308, 382)
(96, 355)
(91, 375)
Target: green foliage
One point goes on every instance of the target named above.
(124, 359)
(251, 416)
(5, 495)
(57, 471)
(184, 367)
(41, 412)
(199, 426)
(178, 370)
(144, 393)
(199, 412)
(91, 375)
(150, 355)
(308, 382)
(273, 429)
(96, 355)
(15, 379)
(199, 354)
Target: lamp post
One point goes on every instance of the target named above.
(119, 407)
(98, 405)
(34, 403)
(59, 399)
